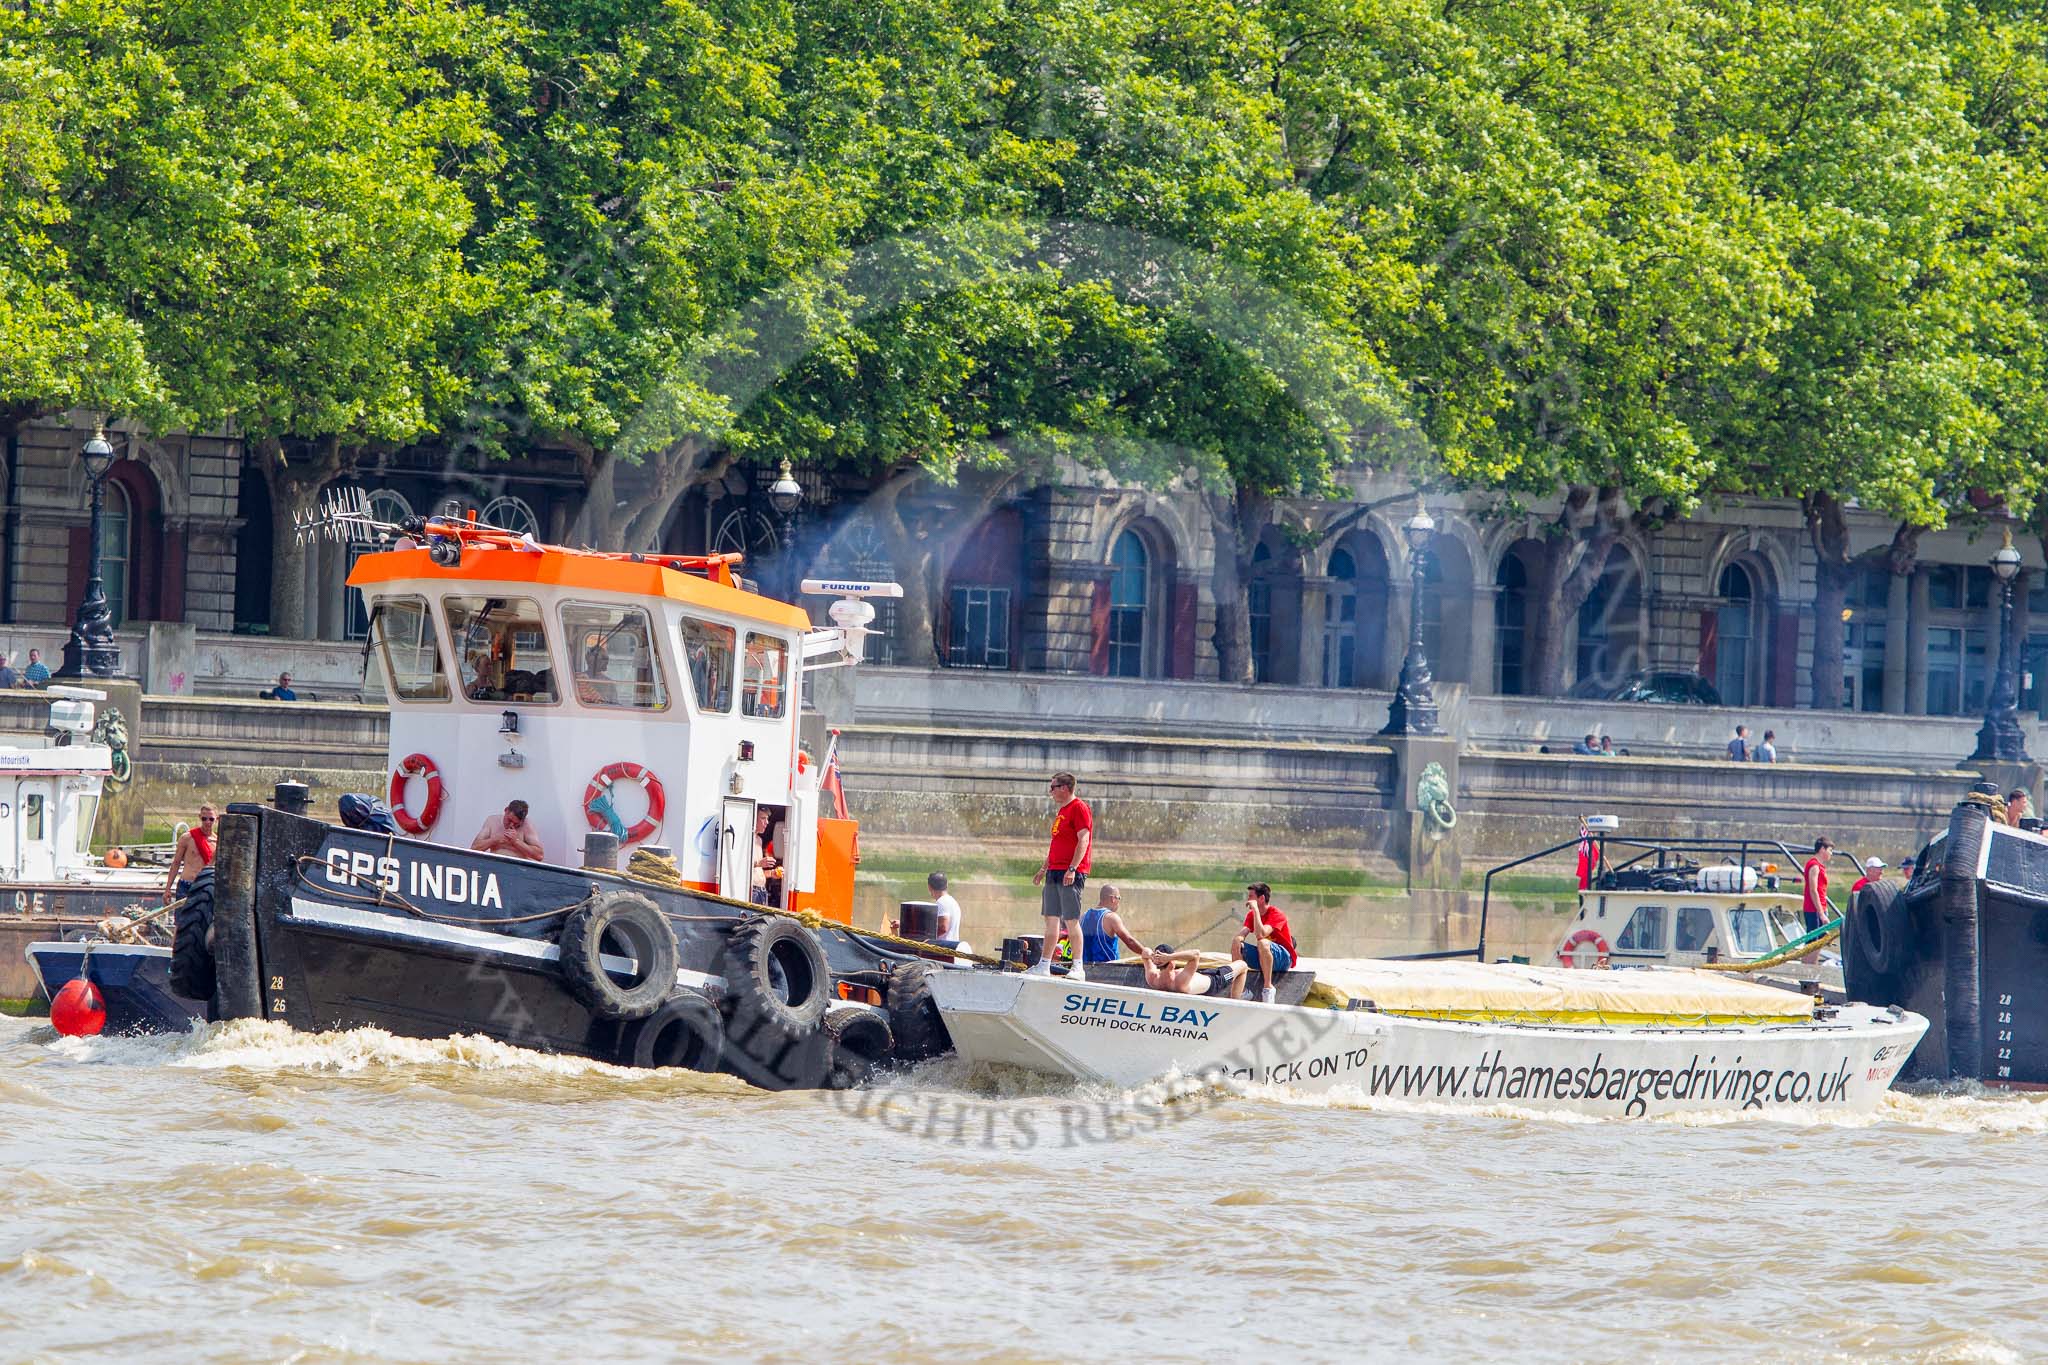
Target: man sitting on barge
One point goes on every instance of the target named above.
(508, 832)
(1265, 942)
(1103, 931)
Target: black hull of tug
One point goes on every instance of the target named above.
(1966, 945)
(309, 931)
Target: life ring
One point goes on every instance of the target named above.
(601, 788)
(1567, 956)
(416, 765)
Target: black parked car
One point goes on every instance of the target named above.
(1674, 689)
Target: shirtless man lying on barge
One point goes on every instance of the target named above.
(1166, 970)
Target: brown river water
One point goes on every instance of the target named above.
(260, 1195)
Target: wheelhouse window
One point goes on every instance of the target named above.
(32, 817)
(611, 654)
(1695, 928)
(1644, 932)
(707, 662)
(1748, 930)
(765, 691)
(88, 811)
(402, 630)
(501, 646)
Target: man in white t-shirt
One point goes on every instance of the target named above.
(949, 909)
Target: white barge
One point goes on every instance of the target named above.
(1612, 1044)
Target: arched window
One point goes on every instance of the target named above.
(1130, 589)
(1259, 604)
(1340, 621)
(118, 532)
(1609, 644)
(1736, 637)
(385, 506)
(513, 514)
(1510, 626)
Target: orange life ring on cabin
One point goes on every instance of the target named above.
(1568, 956)
(416, 765)
(601, 785)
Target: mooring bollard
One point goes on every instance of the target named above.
(601, 850)
(293, 798)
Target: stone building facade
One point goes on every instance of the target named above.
(1082, 578)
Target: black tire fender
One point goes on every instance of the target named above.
(619, 924)
(777, 983)
(686, 1031)
(861, 1041)
(1882, 930)
(913, 1015)
(192, 941)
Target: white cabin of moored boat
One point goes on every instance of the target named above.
(50, 786)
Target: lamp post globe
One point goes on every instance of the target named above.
(786, 495)
(2001, 740)
(1413, 710)
(91, 648)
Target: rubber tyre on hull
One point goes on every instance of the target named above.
(191, 941)
(777, 984)
(1880, 931)
(861, 1041)
(685, 1032)
(913, 1015)
(761, 1056)
(619, 924)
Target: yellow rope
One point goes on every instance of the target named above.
(1774, 959)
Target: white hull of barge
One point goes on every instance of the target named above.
(1129, 1037)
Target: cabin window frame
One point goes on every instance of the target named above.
(547, 649)
(1692, 912)
(787, 650)
(689, 676)
(658, 664)
(1736, 940)
(1658, 919)
(376, 638)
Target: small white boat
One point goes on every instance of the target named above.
(1618, 1044)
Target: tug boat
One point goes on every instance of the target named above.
(1632, 1043)
(1966, 944)
(639, 704)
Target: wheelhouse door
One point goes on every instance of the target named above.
(736, 848)
(35, 849)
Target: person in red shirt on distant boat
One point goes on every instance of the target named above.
(1065, 872)
(1873, 871)
(1265, 942)
(193, 854)
(1814, 885)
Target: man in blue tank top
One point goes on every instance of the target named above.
(1103, 928)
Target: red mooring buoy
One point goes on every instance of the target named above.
(77, 1011)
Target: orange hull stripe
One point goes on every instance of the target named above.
(408, 567)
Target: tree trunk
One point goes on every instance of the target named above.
(294, 492)
(1574, 557)
(596, 521)
(1236, 522)
(1827, 526)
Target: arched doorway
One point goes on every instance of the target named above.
(1340, 621)
(1740, 637)
(1130, 606)
(1511, 625)
(1273, 594)
(1610, 632)
(1447, 610)
(984, 591)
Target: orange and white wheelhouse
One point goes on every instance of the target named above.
(524, 669)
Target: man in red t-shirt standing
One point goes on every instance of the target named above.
(1065, 872)
(1814, 886)
(1265, 942)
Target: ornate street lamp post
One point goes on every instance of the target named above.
(785, 495)
(91, 648)
(2001, 740)
(1413, 711)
